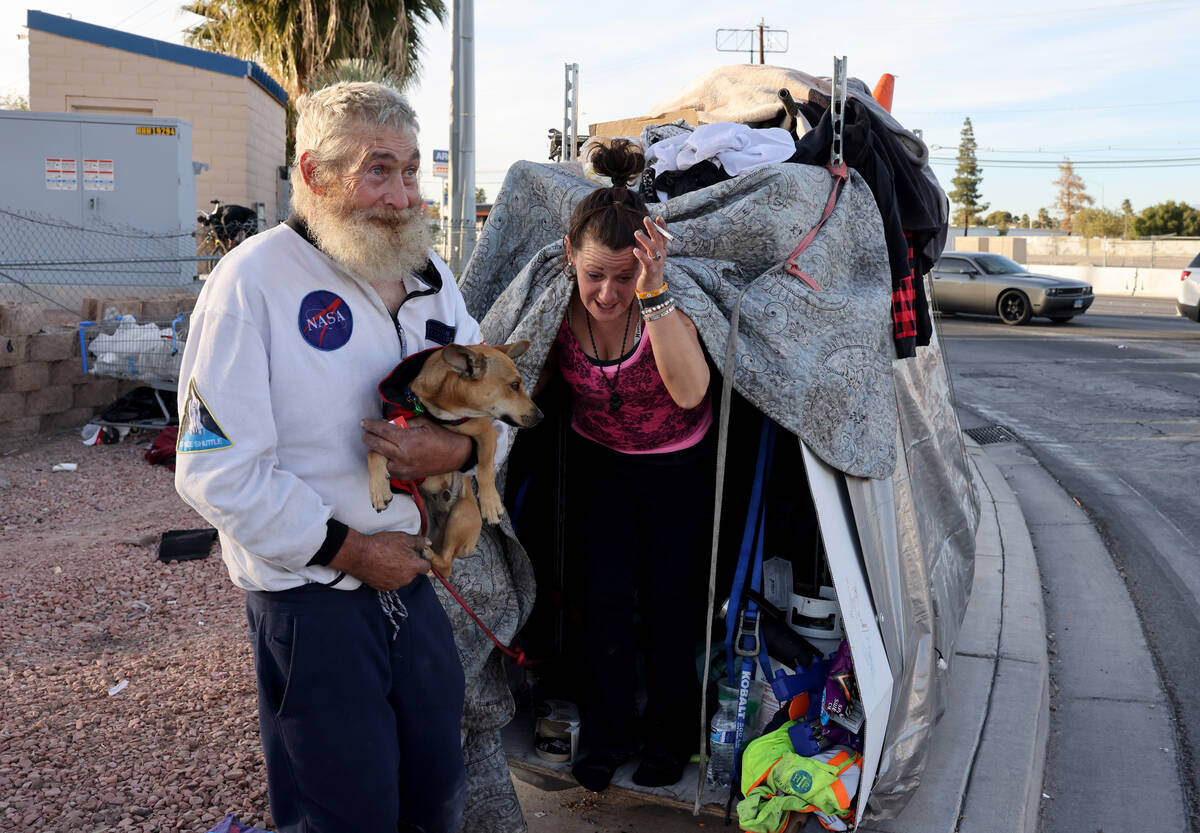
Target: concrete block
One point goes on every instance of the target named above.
(1084, 763)
(91, 309)
(49, 400)
(1024, 633)
(21, 319)
(68, 372)
(70, 418)
(96, 392)
(1017, 729)
(20, 427)
(113, 307)
(981, 622)
(12, 406)
(163, 307)
(1097, 624)
(26, 377)
(13, 350)
(54, 346)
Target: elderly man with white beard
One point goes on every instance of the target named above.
(360, 689)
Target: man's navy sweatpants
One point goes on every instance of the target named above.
(360, 731)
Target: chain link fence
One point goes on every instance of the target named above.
(50, 261)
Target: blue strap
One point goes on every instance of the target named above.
(742, 625)
(754, 516)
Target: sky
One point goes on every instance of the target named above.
(1110, 85)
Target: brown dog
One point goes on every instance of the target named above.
(464, 388)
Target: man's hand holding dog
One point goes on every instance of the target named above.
(385, 560)
(423, 449)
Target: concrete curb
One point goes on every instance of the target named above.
(1012, 748)
(987, 754)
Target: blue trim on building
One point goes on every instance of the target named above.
(186, 55)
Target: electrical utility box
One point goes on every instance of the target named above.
(97, 200)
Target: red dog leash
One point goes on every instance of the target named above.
(410, 486)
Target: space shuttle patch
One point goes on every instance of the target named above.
(198, 428)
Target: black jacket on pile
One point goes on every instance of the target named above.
(907, 202)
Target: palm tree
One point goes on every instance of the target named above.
(295, 39)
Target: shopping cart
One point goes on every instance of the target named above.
(144, 351)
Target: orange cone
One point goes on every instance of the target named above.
(883, 90)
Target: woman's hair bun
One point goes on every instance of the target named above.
(621, 161)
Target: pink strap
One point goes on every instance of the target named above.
(840, 174)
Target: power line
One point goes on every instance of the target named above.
(133, 14)
(1019, 17)
(1058, 109)
(1164, 162)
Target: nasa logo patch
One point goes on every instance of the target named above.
(325, 320)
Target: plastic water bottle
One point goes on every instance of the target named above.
(721, 734)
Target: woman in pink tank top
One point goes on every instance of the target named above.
(638, 479)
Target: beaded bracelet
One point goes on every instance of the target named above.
(653, 293)
(657, 307)
(663, 313)
(651, 303)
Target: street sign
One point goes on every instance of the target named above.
(441, 163)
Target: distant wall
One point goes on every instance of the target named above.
(1125, 281)
(1083, 251)
(1141, 281)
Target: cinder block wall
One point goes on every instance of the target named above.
(42, 384)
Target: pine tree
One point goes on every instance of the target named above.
(967, 177)
(1072, 193)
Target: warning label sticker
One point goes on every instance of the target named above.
(98, 175)
(61, 174)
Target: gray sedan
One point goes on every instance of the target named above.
(992, 284)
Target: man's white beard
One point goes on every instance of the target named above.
(377, 244)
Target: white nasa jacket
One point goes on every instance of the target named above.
(282, 362)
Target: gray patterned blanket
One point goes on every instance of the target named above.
(818, 362)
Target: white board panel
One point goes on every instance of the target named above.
(871, 668)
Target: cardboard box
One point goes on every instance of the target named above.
(633, 127)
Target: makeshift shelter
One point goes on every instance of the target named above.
(869, 445)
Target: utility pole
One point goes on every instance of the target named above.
(570, 133)
(462, 135)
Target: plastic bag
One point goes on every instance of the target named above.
(230, 824)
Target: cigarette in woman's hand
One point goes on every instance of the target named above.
(665, 233)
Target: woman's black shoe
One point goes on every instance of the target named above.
(595, 771)
(659, 769)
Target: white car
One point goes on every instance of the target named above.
(1188, 302)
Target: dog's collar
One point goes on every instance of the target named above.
(398, 396)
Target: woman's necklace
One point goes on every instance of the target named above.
(615, 400)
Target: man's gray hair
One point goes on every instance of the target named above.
(330, 121)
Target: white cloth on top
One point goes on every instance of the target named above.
(735, 147)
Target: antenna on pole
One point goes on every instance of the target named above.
(742, 40)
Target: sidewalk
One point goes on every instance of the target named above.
(987, 754)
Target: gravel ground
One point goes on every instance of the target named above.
(85, 606)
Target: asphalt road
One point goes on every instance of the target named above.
(1110, 405)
